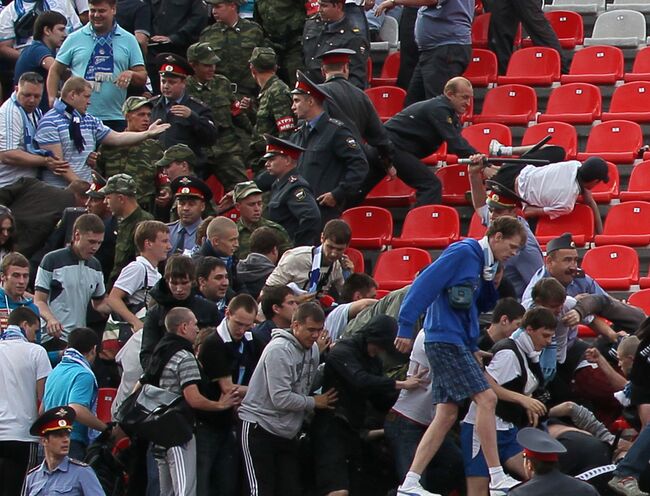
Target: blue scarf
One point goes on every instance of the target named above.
(70, 355)
(101, 63)
(75, 123)
(29, 129)
(13, 333)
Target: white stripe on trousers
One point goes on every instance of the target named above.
(176, 453)
(248, 459)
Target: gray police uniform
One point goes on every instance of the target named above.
(71, 477)
(293, 206)
(556, 483)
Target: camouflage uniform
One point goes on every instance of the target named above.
(245, 231)
(124, 245)
(274, 115)
(282, 22)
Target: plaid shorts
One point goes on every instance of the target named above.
(455, 373)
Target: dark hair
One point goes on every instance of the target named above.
(205, 265)
(111, 3)
(539, 317)
(14, 258)
(22, 314)
(309, 309)
(337, 231)
(644, 329)
(83, 339)
(148, 230)
(202, 231)
(179, 267)
(509, 307)
(47, 19)
(547, 291)
(541, 467)
(89, 223)
(356, 282)
(263, 240)
(245, 301)
(30, 77)
(273, 295)
(5, 213)
(508, 226)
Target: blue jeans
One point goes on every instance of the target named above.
(636, 460)
(217, 466)
(445, 471)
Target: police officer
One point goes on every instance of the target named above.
(332, 29)
(59, 474)
(191, 196)
(274, 115)
(216, 92)
(333, 162)
(541, 462)
(191, 121)
(292, 202)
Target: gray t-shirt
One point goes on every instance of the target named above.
(182, 370)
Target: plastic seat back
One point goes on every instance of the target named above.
(622, 28)
(616, 141)
(429, 226)
(597, 65)
(536, 66)
(614, 267)
(568, 26)
(455, 184)
(580, 223)
(391, 192)
(513, 104)
(641, 67)
(641, 299)
(638, 188)
(389, 71)
(563, 135)
(482, 68)
(387, 100)
(105, 398)
(476, 228)
(397, 268)
(480, 135)
(372, 227)
(575, 103)
(630, 101)
(626, 224)
(356, 257)
(606, 192)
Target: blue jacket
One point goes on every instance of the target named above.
(462, 262)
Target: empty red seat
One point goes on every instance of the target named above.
(391, 192)
(534, 66)
(476, 228)
(606, 192)
(568, 27)
(580, 223)
(480, 29)
(595, 64)
(641, 67)
(626, 224)
(397, 268)
(429, 226)
(387, 100)
(576, 103)
(630, 102)
(641, 298)
(356, 257)
(482, 68)
(512, 104)
(455, 184)
(638, 187)
(614, 267)
(389, 70)
(563, 135)
(105, 398)
(372, 227)
(615, 141)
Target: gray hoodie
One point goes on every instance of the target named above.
(278, 392)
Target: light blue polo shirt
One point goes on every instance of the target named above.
(75, 53)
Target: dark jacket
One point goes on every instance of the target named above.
(555, 482)
(205, 311)
(207, 250)
(252, 273)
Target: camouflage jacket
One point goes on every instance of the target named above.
(245, 231)
(280, 19)
(274, 115)
(124, 246)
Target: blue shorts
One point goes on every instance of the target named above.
(455, 373)
(476, 466)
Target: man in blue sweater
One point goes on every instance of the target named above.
(453, 291)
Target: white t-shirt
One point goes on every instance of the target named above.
(417, 404)
(12, 137)
(132, 280)
(129, 359)
(21, 365)
(337, 320)
(553, 187)
(9, 15)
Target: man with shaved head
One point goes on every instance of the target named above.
(222, 241)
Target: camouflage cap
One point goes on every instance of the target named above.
(135, 102)
(263, 59)
(245, 189)
(202, 53)
(119, 183)
(179, 152)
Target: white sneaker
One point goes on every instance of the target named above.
(414, 490)
(503, 486)
(496, 149)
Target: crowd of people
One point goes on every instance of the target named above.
(273, 366)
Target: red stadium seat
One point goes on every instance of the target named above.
(356, 257)
(641, 298)
(595, 64)
(105, 398)
(482, 68)
(615, 141)
(436, 156)
(480, 28)
(476, 228)
(216, 187)
(641, 67)
(534, 66)
(397, 268)
(575, 103)
(567, 25)
(389, 70)
(372, 227)
(429, 226)
(391, 192)
(387, 100)
(580, 223)
(455, 184)
(626, 224)
(630, 102)
(638, 188)
(614, 267)
(480, 135)
(512, 104)
(563, 135)
(232, 214)
(606, 192)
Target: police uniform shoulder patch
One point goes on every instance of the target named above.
(356, 30)
(337, 122)
(300, 194)
(449, 121)
(351, 142)
(293, 179)
(196, 100)
(78, 462)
